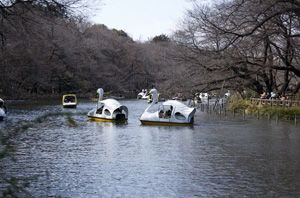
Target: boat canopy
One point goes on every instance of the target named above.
(112, 105)
(180, 107)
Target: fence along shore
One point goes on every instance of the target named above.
(275, 102)
(220, 107)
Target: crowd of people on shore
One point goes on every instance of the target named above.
(273, 95)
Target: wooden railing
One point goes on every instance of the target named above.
(275, 102)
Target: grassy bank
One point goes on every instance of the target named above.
(238, 104)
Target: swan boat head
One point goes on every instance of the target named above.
(169, 113)
(109, 110)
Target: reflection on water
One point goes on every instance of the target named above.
(218, 157)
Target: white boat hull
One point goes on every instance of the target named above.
(70, 105)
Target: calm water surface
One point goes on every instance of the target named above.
(65, 155)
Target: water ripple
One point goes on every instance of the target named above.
(218, 157)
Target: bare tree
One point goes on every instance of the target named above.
(38, 51)
(248, 44)
(10, 10)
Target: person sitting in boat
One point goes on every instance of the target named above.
(69, 99)
(197, 98)
(160, 113)
(169, 111)
(99, 110)
(167, 114)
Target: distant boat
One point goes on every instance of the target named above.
(69, 101)
(109, 110)
(227, 95)
(179, 96)
(143, 94)
(204, 96)
(169, 113)
(95, 99)
(3, 110)
(117, 97)
(197, 98)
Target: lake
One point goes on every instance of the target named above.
(57, 152)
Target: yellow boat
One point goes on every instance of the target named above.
(69, 101)
(94, 99)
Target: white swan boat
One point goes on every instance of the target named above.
(227, 95)
(204, 96)
(143, 95)
(109, 110)
(69, 101)
(3, 110)
(169, 113)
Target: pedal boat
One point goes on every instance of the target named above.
(69, 101)
(171, 112)
(108, 110)
(3, 110)
(143, 94)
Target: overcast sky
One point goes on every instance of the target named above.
(142, 19)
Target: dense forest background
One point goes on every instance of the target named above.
(49, 48)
